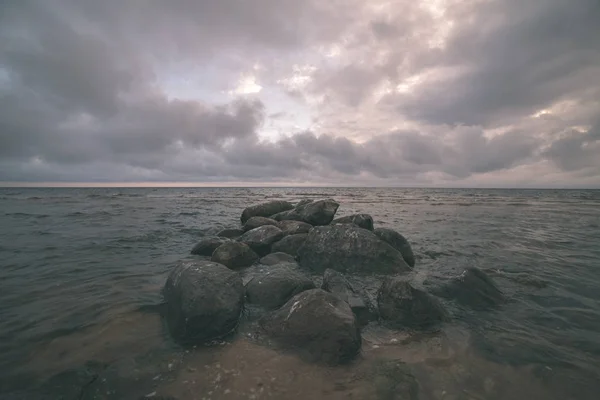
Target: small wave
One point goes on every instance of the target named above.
(519, 204)
(437, 204)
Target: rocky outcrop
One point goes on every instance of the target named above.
(364, 221)
(277, 258)
(335, 283)
(473, 288)
(260, 239)
(265, 209)
(204, 301)
(403, 306)
(234, 255)
(277, 284)
(208, 245)
(256, 222)
(398, 242)
(318, 325)
(290, 227)
(348, 248)
(290, 244)
(230, 233)
(315, 213)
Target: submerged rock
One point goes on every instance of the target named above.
(276, 285)
(265, 209)
(204, 301)
(318, 325)
(290, 244)
(290, 227)
(256, 222)
(404, 306)
(230, 233)
(348, 248)
(208, 245)
(335, 283)
(393, 380)
(234, 255)
(315, 213)
(277, 258)
(260, 239)
(473, 288)
(398, 242)
(364, 221)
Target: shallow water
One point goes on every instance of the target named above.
(81, 272)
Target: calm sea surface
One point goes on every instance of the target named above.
(81, 272)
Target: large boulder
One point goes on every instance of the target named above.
(317, 324)
(230, 233)
(473, 288)
(277, 258)
(204, 301)
(276, 285)
(260, 239)
(206, 246)
(290, 227)
(398, 242)
(348, 248)
(403, 306)
(265, 209)
(315, 213)
(364, 221)
(290, 244)
(334, 282)
(256, 222)
(234, 255)
(303, 202)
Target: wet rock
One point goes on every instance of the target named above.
(265, 209)
(364, 221)
(318, 325)
(290, 244)
(231, 233)
(206, 246)
(290, 227)
(260, 239)
(276, 285)
(256, 222)
(277, 258)
(348, 248)
(404, 306)
(315, 213)
(473, 288)
(303, 202)
(335, 283)
(393, 380)
(204, 301)
(234, 255)
(398, 242)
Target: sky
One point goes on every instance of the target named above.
(430, 93)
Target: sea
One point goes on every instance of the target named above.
(81, 272)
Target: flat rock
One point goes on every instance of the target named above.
(316, 324)
(234, 255)
(277, 258)
(403, 306)
(290, 227)
(398, 242)
(206, 246)
(276, 285)
(335, 283)
(473, 288)
(290, 244)
(265, 209)
(350, 249)
(231, 233)
(364, 221)
(260, 239)
(204, 301)
(256, 222)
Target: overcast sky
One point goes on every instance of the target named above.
(474, 93)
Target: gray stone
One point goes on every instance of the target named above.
(315, 213)
(290, 227)
(260, 239)
(348, 248)
(318, 325)
(403, 306)
(276, 285)
(290, 244)
(473, 288)
(208, 245)
(265, 209)
(277, 258)
(204, 301)
(303, 202)
(398, 242)
(335, 283)
(231, 233)
(256, 222)
(364, 221)
(234, 255)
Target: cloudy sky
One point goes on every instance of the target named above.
(301, 92)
